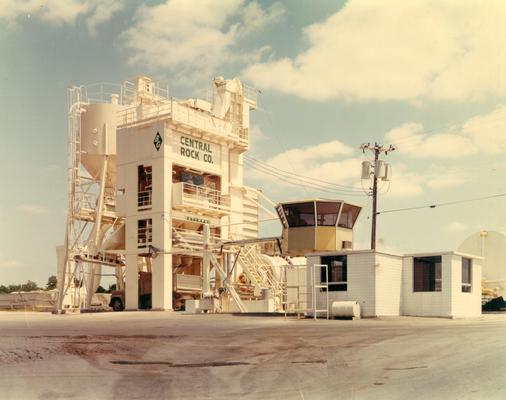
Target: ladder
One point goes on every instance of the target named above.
(320, 285)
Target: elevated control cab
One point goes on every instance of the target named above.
(317, 225)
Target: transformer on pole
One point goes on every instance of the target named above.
(380, 170)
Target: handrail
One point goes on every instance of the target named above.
(183, 114)
(194, 234)
(204, 196)
(201, 190)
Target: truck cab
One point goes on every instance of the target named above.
(117, 302)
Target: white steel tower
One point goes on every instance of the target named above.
(92, 223)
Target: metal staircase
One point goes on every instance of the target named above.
(260, 273)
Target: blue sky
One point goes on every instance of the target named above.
(428, 77)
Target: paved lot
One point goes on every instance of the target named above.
(157, 355)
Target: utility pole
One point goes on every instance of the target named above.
(381, 170)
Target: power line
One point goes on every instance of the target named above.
(300, 182)
(277, 170)
(311, 179)
(289, 181)
(280, 143)
(448, 203)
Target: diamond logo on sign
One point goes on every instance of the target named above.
(158, 141)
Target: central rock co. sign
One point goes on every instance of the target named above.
(196, 149)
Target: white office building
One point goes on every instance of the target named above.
(442, 284)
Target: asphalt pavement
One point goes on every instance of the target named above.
(166, 355)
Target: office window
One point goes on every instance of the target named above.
(337, 273)
(467, 265)
(427, 274)
(301, 214)
(144, 187)
(144, 232)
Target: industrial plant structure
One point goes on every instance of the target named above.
(153, 182)
(157, 198)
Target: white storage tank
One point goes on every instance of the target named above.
(98, 138)
(341, 309)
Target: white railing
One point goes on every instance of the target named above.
(136, 114)
(260, 273)
(101, 92)
(200, 197)
(185, 115)
(250, 93)
(190, 239)
(130, 92)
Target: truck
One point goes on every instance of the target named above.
(117, 302)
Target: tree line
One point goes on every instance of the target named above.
(31, 286)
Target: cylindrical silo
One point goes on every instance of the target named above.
(98, 139)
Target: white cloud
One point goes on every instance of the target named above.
(60, 12)
(195, 40)
(254, 17)
(32, 209)
(311, 154)
(488, 132)
(103, 12)
(482, 134)
(317, 161)
(411, 141)
(337, 162)
(333, 162)
(394, 50)
(456, 227)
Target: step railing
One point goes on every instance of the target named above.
(260, 273)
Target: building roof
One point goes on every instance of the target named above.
(427, 254)
(348, 252)
(318, 199)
